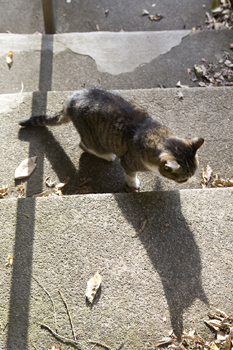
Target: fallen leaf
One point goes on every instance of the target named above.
(222, 313)
(221, 336)
(202, 84)
(214, 346)
(215, 324)
(9, 59)
(55, 348)
(92, 286)
(206, 176)
(26, 167)
(3, 191)
(198, 70)
(181, 86)
(61, 185)
(220, 182)
(145, 13)
(155, 17)
(180, 95)
(228, 63)
(9, 260)
(164, 341)
(50, 184)
(216, 6)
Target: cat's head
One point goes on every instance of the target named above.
(178, 161)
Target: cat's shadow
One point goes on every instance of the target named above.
(170, 246)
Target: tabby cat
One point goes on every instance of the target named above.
(111, 127)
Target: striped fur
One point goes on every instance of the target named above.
(111, 127)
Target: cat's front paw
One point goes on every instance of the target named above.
(133, 181)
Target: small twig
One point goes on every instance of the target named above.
(3, 329)
(143, 224)
(100, 344)
(20, 95)
(54, 311)
(34, 346)
(71, 323)
(120, 346)
(93, 346)
(87, 181)
(65, 340)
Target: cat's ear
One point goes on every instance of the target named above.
(196, 143)
(171, 165)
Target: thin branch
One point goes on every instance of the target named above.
(71, 323)
(20, 95)
(100, 344)
(34, 346)
(63, 339)
(143, 224)
(54, 311)
(121, 346)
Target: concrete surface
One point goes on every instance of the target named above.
(25, 16)
(103, 47)
(179, 267)
(71, 61)
(203, 113)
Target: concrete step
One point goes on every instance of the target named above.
(25, 16)
(128, 60)
(178, 267)
(203, 113)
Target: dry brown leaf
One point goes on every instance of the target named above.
(145, 12)
(62, 184)
(206, 176)
(26, 167)
(222, 313)
(181, 86)
(92, 286)
(193, 336)
(9, 59)
(9, 260)
(227, 344)
(3, 191)
(221, 336)
(214, 346)
(155, 17)
(215, 324)
(220, 182)
(55, 348)
(164, 341)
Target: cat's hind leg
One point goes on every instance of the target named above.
(110, 157)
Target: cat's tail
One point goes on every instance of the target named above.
(43, 120)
